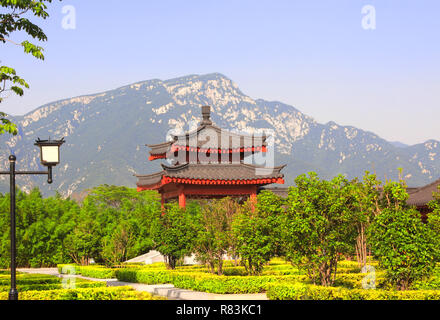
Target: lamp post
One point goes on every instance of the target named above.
(50, 156)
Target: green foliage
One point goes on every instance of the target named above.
(214, 232)
(108, 293)
(404, 245)
(98, 272)
(11, 20)
(42, 225)
(434, 217)
(112, 225)
(256, 232)
(173, 232)
(366, 204)
(300, 291)
(200, 281)
(320, 227)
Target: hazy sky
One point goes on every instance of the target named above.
(314, 55)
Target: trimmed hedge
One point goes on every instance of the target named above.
(200, 281)
(98, 272)
(299, 291)
(53, 286)
(110, 293)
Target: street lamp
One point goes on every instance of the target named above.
(50, 156)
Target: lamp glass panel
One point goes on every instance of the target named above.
(50, 154)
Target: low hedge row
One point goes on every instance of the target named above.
(98, 272)
(200, 281)
(110, 293)
(299, 291)
(30, 281)
(53, 286)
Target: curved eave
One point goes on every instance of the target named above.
(259, 182)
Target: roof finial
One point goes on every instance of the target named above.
(206, 113)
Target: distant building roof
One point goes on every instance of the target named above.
(279, 191)
(421, 196)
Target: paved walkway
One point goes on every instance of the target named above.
(164, 290)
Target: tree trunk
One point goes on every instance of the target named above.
(361, 247)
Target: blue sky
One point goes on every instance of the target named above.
(311, 54)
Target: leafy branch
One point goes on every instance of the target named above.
(12, 21)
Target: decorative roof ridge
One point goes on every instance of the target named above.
(219, 164)
(174, 168)
(160, 144)
(150, 175)
(218, 130)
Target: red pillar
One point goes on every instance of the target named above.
(182, 199)
(253, 198)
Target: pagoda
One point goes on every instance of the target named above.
(209, 162)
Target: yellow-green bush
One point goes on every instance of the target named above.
(110, 293)
(300, 291)
(94, 271)
(53, 286)
(201, 281)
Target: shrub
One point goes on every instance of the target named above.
(200, 281)
(98, 272)
(300, 291)
(111, 293)
(319, 225)
(404, 246)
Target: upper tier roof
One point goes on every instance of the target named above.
(210, 137)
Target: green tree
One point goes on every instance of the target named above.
(42, 226)
(405, 247)
(83, 243)
(15, 19)
(320, 225)
(434, 219)
(255, 231)
(214, 232)
(173, 233)
(124, 216)
(366, 196)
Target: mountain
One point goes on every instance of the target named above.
(106, 134)
(399, 144)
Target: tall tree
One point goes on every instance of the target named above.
(16, 19)
(214, 232)
(255, 231)
(366, 207)
(405, 247)
(320, 225)
(173, 233)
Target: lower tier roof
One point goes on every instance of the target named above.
(231, 173)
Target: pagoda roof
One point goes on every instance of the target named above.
(245, 140)
(423, 195)
(207, 136)
(212, 173)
